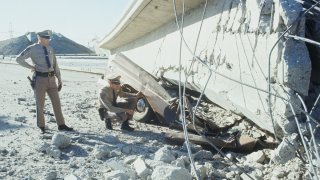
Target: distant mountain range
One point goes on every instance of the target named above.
(60, 44)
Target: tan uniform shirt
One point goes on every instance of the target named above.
(106, 99)
(37, 55)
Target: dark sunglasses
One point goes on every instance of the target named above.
(46, 37)
(116, 83)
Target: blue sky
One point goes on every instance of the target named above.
(79, 20)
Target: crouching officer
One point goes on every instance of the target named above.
(46, 70)
(110, 108)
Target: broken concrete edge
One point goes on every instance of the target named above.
(158, 98)
(237, 23)
(289, 69)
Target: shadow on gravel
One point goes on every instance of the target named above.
(148, 135)
(5, 125)
(142, 144)
(92, 139)
(76, 151)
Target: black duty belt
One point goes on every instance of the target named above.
(45, 74)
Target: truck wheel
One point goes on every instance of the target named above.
(143, 111)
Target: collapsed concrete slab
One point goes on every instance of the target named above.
(234, 44)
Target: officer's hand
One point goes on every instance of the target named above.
(130, 111)
(33, 69)
(59, 85)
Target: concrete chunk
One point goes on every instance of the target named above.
(296, 67)
(102, 151)
(60, 140)
(53, 151)
(154, 163)
(203, 154)
(258, 157)
(71, 177)
(286, 150)
(50, 175)
(43, 146)
(290, 11)
(141, 168)
(118, 175)
(164, 154)
(116, 164)
(170, 173)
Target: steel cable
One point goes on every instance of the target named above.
(269, 61)
(181, 99)
(303, 141)
(311, 131)
(200, 97)
(212, 70)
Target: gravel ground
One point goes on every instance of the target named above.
(92, 152)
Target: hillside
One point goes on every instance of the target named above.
(60, 43)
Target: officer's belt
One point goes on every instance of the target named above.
(45, 74)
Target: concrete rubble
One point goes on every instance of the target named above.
(165, 155)
(92, 152)
(61, 140)
(236, 42)
(170, 172)
(141, 168)
(286, 150)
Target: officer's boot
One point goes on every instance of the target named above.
(64, 127)
(43, 130)
(125, 126)
(108, 123)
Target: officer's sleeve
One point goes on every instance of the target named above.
(21, 59)
(103, 98)
(56, 68)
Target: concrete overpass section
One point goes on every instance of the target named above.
(234, 44)
(141, 18)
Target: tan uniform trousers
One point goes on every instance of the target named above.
(130, 103)
(47, 85)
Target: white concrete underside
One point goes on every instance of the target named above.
(235, 43)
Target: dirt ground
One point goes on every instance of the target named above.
(96, 153)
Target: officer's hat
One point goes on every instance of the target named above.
(114, 77)
(45, 34)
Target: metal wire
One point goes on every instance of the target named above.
(231, 79)
(192, 63)
(299, 128)
(303, 141)
(269, 61)
(202, 93)
(269, 78)
(311, 131)
(314, 105)
(181, 98)
(303, 39)
(236, 81)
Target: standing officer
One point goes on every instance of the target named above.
(45, 66)
(110, 108)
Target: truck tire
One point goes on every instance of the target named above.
(143, 112)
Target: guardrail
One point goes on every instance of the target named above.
(65, 56)
(88, 71)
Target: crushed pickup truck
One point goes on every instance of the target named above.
(161, 102)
